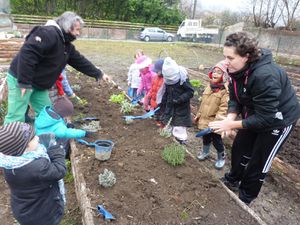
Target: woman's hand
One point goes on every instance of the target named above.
(221, 126)
(106, 78)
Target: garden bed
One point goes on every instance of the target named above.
(148, 190)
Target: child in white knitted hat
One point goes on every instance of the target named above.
(34, 173)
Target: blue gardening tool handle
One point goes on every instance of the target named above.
(146, 115)
(204, 132)
(90, 119)
(105, 213)
(136, 99)
(81, 141)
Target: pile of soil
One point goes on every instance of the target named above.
(148, 190)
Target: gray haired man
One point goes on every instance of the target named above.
(44, 54)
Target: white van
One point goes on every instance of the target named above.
(192, 30)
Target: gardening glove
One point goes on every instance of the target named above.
(47, 139)
(75, 99)
(70, 125)
(90, 134)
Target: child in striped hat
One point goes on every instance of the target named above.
(34, 173)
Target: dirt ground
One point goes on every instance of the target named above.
(176, 195)
(190, 194)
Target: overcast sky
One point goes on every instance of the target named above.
(219, 5)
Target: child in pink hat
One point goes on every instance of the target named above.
(144, 63)
(213, 107)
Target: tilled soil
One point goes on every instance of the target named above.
(148, 190)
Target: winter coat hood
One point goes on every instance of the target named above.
(47, 120)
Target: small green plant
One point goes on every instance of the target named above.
(196, 83)
(79, 117)
(174, 154)
(184, 215)
(128, 121)
(69, 176)
(92, 126)
(107, 178)
(76, 87)
(117, 98)
(126, 107)
(166, 131)
(83, 102)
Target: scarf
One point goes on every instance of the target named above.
(216, 87)
(14, 162)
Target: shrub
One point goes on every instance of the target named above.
(196, 83)
(174, 154)
(117, 98)
(126, 107)
(107, 178)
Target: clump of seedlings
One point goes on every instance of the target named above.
(117, 98)
(128, 121)
(174, 154)
(107, 178)
(126, 107)
(83, 102)
(76, 87)
(166, 131)
(92, 126)
(196, 83)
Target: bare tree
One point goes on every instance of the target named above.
(291, 7)
(266, 13)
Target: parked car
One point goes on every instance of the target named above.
(155, 34)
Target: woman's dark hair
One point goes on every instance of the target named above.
(244, 45)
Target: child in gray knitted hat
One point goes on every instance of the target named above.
(34, 173)
(176, 99)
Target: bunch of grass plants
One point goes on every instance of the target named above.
(174, 154)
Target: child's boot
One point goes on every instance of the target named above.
(220, 161)
(205, 153)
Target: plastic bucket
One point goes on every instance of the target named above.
(103, 149)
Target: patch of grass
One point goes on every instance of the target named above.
(287, 61)
(69, 176)
(174, 154)
(186, 54)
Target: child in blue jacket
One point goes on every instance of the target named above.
(51, 120)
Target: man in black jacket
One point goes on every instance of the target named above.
(44, 54)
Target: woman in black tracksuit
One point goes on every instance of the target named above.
(261, 93)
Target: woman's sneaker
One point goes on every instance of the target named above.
(233, 186)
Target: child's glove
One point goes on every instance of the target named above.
(47, 140)
(70, 125)
(75, 99)
(90, 134)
